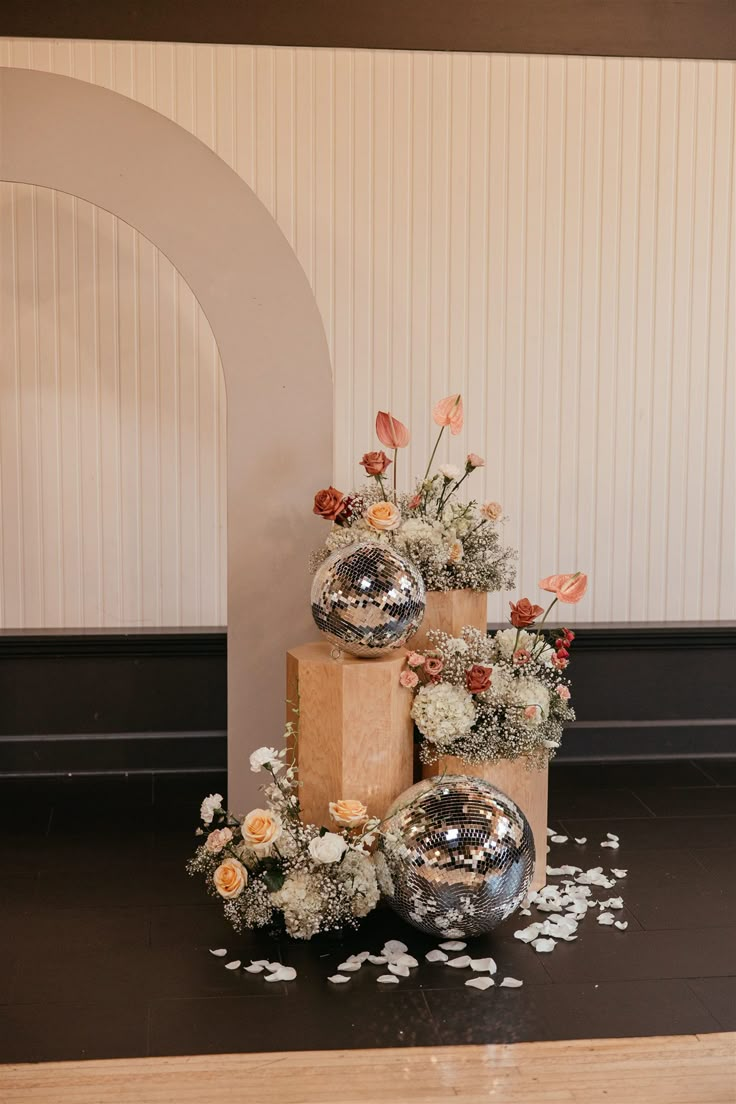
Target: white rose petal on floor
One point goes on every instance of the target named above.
(338, 979)
(387, 979)
(436, 956)
(510, 983)
(460, 963)
(254, 968)
(232, 965)
(220, 952)
(453, 945)
(480, 983)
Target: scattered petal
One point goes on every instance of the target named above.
(526, 935)
(622, 925)
(387, 979)
(262, 962)
(612, 836)
(612, 903)
(436, 956)
(511, 983)
(453, 945)
(271, 966)
(524, 912)
(480, 983)
(459, 963)
(619, 873)
(406, 960)
(234, 965)
(543, 946)
(394, 946)
(350, 967)
(219, 952)
(582, 839)
(254, 969)
(606, 918)
(338, 979)
(286, 973)
(483, 965)
(609, 843)
(400, 971)
(550, 831)
(377, 960)
(559, 839)
(361, 957)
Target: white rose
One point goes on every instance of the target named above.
(449, 471)
(329, 848)
(209, 807)
(263, 756)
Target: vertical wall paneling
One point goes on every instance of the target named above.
(552, 236)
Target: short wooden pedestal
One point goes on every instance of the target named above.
(528, 788)
(355, 729)
(449, 611)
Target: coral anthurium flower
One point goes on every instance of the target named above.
(567, 588)
(449, 412)
(390, 431)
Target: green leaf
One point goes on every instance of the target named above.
(274, 879)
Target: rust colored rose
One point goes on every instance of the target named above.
(329, 503)
(523, 613)
(375, 463)
(478, 678)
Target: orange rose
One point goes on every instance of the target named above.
(478, 678)
(329, 503)
(524, 613)
(260, 830)
(230, 878)
(375, 463)
(348, 813)
(383, 516)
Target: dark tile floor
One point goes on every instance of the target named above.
(104, 938)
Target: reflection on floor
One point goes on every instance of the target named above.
(103, 948)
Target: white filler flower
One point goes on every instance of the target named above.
(329, 848)
(443, 712)
(209, 807)
(450, 471)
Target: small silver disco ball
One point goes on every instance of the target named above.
(458, 856)
(367, 599)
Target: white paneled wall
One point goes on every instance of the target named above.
(552, 236)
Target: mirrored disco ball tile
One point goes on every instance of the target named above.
(458, 856)
(367, 599)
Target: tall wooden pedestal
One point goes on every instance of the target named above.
(355, 729)
(449, 611)
(528, 788)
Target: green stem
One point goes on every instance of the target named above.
(434, 450)
(539, 628)
(396, 453)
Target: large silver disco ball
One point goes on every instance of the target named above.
(367, 599)
(458, 856)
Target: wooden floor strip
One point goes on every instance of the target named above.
(687, 1069)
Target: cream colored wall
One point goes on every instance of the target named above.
(552, 236)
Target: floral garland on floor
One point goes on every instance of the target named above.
(503, 696)
(268, 867)
(453, 544)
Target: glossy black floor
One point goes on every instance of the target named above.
(104, 937)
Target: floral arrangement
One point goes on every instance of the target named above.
(269, 868)
(502, 696)
(453, 544)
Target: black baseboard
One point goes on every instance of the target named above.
(156, 701)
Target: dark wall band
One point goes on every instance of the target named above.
(625, 28)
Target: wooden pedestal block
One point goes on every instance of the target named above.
(528, 788)
(356, 735)
(449, 611)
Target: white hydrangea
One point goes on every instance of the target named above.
(415, 529)
(301, 903)
(530, 691)
(359, 872)
(443, 712)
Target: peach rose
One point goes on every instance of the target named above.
(456, 552)
(216, 840)
(348, 813)
(522, 656)
(533, 713)
(383, 516)
(523, 613)
(478, 678)
(329, 503)
(491, 511)
(261, 828)
(563, 692)
(230, 878)
(375, 463)
(414, 659)
(409, 679)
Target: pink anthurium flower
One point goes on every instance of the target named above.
(449, 412)
(566, 588)
(390, 431)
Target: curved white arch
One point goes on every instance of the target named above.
(76, 137)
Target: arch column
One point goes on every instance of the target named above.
(62, 133)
